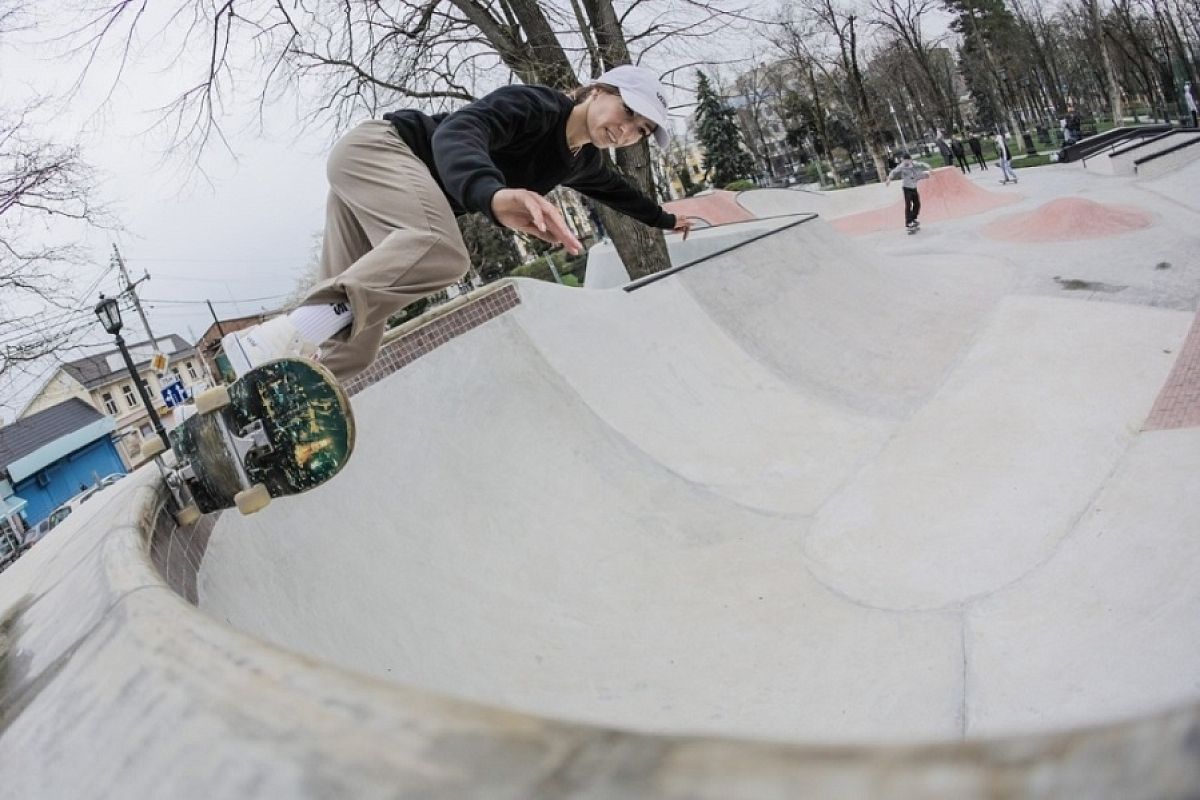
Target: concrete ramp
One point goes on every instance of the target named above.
(947, 194)
(790, 493)
(829, 203)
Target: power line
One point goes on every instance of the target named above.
(217, 302)
(222, 280)
(209, 260)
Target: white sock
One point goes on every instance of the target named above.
(315, 324)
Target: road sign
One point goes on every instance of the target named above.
(174, 393)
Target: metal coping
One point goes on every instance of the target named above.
(1167, 151)
(649, 279)
(1120, 151)
(1086, 148)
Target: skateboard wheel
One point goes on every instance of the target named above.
(253, 499)
(188, 515)
(212, 400)
(153, 447)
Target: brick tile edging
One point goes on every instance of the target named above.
(1178, 404)
(425, 334)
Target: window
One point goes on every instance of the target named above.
(175, 370)
(130, 398)
(110, 405)
(191, 371)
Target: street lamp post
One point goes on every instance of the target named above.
(899, 129)
(109, 313)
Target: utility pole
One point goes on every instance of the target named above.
(130, 289)
(220, 330)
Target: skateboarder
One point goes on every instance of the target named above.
(397, 184)
(1005, 159)
(910, 173)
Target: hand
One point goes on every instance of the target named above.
(529, 212)
(683, 225)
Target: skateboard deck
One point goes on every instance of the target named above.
(914, 229)
(287, 426)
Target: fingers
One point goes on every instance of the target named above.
(533, 208)
(683, 225)
(530, 213)
(551, 227)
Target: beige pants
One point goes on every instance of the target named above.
(390, 239)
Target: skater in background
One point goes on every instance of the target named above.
(1190, 99)
(397, 184)
(910, 173)
(977, 150)
(1005, 160)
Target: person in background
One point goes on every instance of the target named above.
(960, 154)
(977, 150)
(943, 147)
(1005, 160)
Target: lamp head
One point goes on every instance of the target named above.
(109, 312)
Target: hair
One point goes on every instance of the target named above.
(581, 93)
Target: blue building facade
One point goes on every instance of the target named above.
(51, 456)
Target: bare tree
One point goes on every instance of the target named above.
(42, 184)
(789, 34)
(363, 57)
(829, 31)
(1115, 104)
(905, 21)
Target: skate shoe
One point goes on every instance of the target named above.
(275, 338)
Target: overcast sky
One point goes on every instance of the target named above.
(241, 238)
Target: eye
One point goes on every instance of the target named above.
(628, 110)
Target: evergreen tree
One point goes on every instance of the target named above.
(725, 161)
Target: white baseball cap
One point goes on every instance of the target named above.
(642, 92)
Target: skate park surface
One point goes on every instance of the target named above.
(819, 515)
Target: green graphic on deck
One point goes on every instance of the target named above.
(305, 417)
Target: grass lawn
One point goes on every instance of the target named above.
(1040, 160)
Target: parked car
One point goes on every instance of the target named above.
(11, 548)
(65, 510)
(35, 534)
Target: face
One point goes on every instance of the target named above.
(611, 123)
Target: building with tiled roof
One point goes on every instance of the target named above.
(49, 456)
(103, 382)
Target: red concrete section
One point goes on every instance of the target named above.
(1068, 219)
(946, 194)
(1178, 404)
(718, 208)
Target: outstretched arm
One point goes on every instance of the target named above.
(596, 180)
(529, 212)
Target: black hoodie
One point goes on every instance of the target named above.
(516, 137)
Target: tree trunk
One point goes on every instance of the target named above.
(642, 249)
(866, 121)
(1116, 106)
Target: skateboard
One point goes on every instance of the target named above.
(916, 226)
(281, 429)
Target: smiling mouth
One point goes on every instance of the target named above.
(611, 138)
